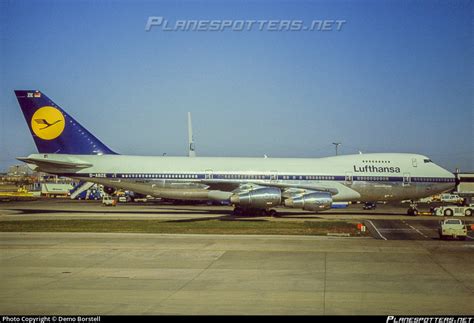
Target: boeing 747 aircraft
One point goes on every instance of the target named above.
(66, 148)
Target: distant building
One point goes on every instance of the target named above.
(19, 170)
(465, 185)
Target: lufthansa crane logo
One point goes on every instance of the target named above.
(47, 123)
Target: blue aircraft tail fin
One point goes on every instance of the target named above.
(55, 131)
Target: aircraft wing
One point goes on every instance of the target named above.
(225, 185)
(337, 190)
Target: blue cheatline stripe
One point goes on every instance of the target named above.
(193, 176)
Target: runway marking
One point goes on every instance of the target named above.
(421, 233)
(395, 230)
(377, 230)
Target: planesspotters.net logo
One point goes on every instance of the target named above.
(218, 25)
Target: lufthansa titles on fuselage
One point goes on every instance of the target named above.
(376, 169)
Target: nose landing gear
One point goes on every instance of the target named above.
(412, 210)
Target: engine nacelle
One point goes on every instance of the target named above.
(260, 198)
(317, 201)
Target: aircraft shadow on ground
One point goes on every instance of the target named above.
(227, 215)
(48, 211)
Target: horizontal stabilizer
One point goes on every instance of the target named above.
(46, 163)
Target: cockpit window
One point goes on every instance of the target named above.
(427, 161)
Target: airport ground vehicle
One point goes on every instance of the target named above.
(108, 200)
(55, 189)
(91, 194)
(369, 206)
(454, 210)
(124, 199)
(339, 205)
(86, 191)
(454, 228)
(451, 198)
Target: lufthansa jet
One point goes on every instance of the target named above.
(66, 148)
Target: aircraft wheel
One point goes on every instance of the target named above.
(272, 212)
(237, 211)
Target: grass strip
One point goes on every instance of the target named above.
(213, 226)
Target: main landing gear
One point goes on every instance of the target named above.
(238, 211)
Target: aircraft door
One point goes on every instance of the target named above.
(406, 179)
(274, 176)
(209, 174)
(348, 178)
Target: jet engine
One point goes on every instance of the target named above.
(317, 201)
(260, 198)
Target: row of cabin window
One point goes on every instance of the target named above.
(377, 161)
(186, 176)
(360, 178)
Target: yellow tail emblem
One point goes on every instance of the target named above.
(48, 123)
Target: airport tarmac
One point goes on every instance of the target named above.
(66, 206)
(386, 222)
(402, 269)
(110, 273)
(410, 229)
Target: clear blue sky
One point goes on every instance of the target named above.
(398, 77)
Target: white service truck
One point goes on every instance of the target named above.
(55, 189)
(454, 228)
(108, 200)
(454, 210)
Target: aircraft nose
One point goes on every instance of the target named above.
(445, 173)
(452, 178)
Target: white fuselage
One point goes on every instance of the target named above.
(363, 177)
